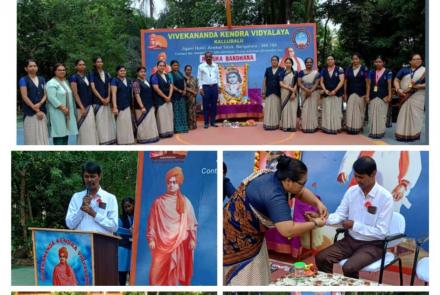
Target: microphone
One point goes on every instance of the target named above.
(88, 189)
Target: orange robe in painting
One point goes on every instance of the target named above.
(63, 275)
(172, 259)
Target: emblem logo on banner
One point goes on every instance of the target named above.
(301, 39)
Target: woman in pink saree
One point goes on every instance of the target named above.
(171, 234)
(276, 242)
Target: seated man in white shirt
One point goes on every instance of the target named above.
(365, 212)
(93, 209)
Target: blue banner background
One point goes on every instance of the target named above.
(83, 243)
(201, 189)
(187, 50)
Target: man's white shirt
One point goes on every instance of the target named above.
(366, 226)
(105, 221)
(208, 74)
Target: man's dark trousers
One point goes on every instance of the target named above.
(210, 103)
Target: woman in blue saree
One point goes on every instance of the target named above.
(261, 202)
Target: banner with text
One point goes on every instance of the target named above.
(63, 258)
(249, 46)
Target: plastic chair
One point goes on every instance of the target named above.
(420, 267)
(396, 233)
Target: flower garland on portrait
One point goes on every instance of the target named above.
(241, 72)
(261, 158)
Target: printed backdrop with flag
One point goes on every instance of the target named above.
(247, 50)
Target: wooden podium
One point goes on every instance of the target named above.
(92, 258)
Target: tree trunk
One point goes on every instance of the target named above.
(22, 205)
(287, 10)
(324, 49)
(273, 12)
(309, 5)
(151, 8)
(29, 207)
(266, 12)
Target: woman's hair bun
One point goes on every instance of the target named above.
(283, 162)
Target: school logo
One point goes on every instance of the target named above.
(301, 39)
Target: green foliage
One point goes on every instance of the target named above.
(50, 180)
(386, 293)
(346, 293)
(51, 31)
(63, 31)
(192, 13)
(391, 28)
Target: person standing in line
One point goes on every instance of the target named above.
(271, 93)
(100, 85)
(122, 99)
(80, 85)
(179, 103)
(332, 82)
(34, 106)
(208, 77)
(162, 94)
(355, 89)
(410, 85)
(61, 107)
(289, 95)
(308, 82)
(144, 109)
(379, 94)
(191, 94)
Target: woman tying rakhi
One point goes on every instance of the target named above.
(261, 202)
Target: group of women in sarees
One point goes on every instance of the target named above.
(100, 109)
(366, 92)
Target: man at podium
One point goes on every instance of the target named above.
(93, 209)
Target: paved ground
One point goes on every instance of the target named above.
(22, 276)
(258, 136)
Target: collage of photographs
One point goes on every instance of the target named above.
(132, 117)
